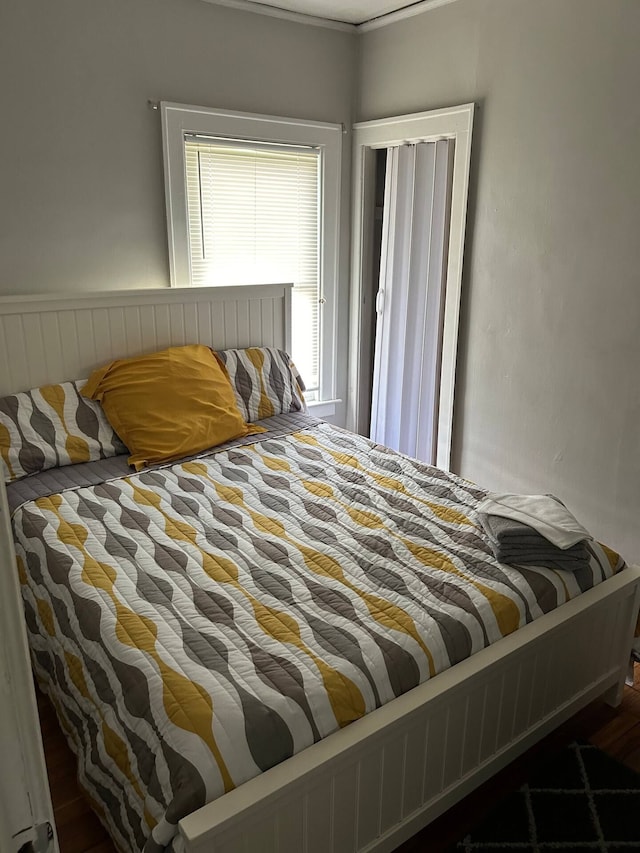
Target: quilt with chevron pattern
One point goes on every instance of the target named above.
(196, 624)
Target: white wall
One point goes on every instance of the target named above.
(82, 187)
(82, 203)
(548, 394)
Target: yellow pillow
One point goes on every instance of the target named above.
(168, 404)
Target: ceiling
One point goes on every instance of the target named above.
(340, 12)
(351, 12)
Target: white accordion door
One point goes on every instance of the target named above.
(410, 306)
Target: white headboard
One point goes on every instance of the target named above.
(49, 339)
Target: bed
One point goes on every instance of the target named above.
(354, 635)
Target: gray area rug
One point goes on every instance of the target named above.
(582, 801)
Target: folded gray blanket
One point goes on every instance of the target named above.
(517, 543)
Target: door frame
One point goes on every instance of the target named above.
(450, 123)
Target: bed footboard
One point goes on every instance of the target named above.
(376, 783)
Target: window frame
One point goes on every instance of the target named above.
(178, 119)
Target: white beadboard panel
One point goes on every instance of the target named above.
(391, 794)
(318, 809)
(454, 744)
(434, 763)
(263, 837)
(204, 323)
(117, 335)
(507, 705)
(176, 324)
(32, 332)
(58, 338)
(602, 650)
(375, 783)
(416, 754)
(102, 341)
(291, 828)
(86, 334)
(491, 717)
(268, 320)
(473, 729)
(13, 334)
(230, 323)
(368, 800)
(344, 808)
(255, 321)
(242, 316)
(539, 678)
(218, 324)
(525, 690)
(554, 691)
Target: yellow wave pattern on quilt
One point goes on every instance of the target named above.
(76, 446)
(52, 426)
(200, 623)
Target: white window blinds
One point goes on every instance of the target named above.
(253, 218)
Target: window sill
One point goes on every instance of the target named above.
(323, 408)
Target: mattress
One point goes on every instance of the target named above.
(198, 623)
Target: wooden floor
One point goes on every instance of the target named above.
(617, 732)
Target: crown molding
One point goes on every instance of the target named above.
(416, 8)
(401, 14)
(286, 15)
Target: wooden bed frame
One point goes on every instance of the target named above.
(374, 784)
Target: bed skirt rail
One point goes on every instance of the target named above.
(377, 782)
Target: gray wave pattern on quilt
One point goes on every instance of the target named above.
(199, 623)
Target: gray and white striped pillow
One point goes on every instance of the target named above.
(265, 381)
(53, 426)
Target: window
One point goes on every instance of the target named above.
(255, 200)
(252, 214)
